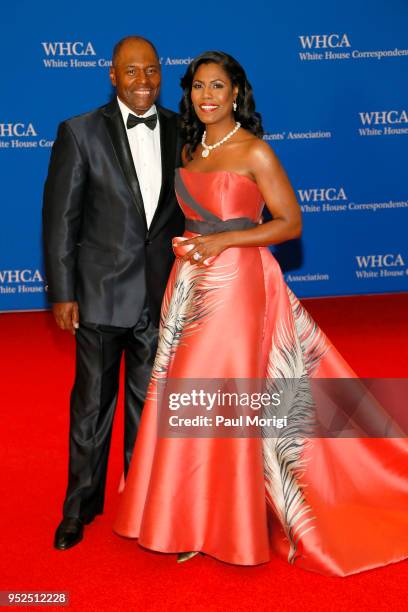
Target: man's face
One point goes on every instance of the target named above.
(136, 76)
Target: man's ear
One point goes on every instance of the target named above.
(112, 75)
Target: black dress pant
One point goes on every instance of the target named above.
(99, 349)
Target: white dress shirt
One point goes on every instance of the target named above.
(145, 148)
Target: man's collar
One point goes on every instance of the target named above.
(125, 110)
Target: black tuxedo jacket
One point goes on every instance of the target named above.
(98, 249)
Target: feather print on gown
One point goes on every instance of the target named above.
(336, 506)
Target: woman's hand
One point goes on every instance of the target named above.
(207, 246)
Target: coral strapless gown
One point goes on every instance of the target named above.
(334, 506)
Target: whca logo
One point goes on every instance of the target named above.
(21, 276)
(19, 130)
(324, 41)
(388, 260)
(322, 194)
(385, 117)
(62, 49)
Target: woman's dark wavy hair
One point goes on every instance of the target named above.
(191, 127)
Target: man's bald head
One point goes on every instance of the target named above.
(129, 40)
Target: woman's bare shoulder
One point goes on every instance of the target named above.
(259, 155)
(248, 154)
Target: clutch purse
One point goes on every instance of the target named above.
(180, 250)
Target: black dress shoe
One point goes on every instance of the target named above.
(69, 533)
(87, 519)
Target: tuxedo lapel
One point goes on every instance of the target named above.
(118, 136)
(168, 137)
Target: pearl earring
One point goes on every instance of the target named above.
(234, 106)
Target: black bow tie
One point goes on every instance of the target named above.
(132, 120)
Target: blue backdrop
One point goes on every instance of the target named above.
(329, 80)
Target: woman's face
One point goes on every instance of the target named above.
(212, 94)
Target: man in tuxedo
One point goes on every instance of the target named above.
(109, 215)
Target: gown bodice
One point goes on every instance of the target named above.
(225, 194)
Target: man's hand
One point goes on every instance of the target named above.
(66, 315)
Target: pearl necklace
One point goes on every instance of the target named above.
(208, 148)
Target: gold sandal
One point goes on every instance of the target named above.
(185, 556)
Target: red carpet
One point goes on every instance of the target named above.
(106, 572)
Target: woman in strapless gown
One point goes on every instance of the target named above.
(336, 506)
